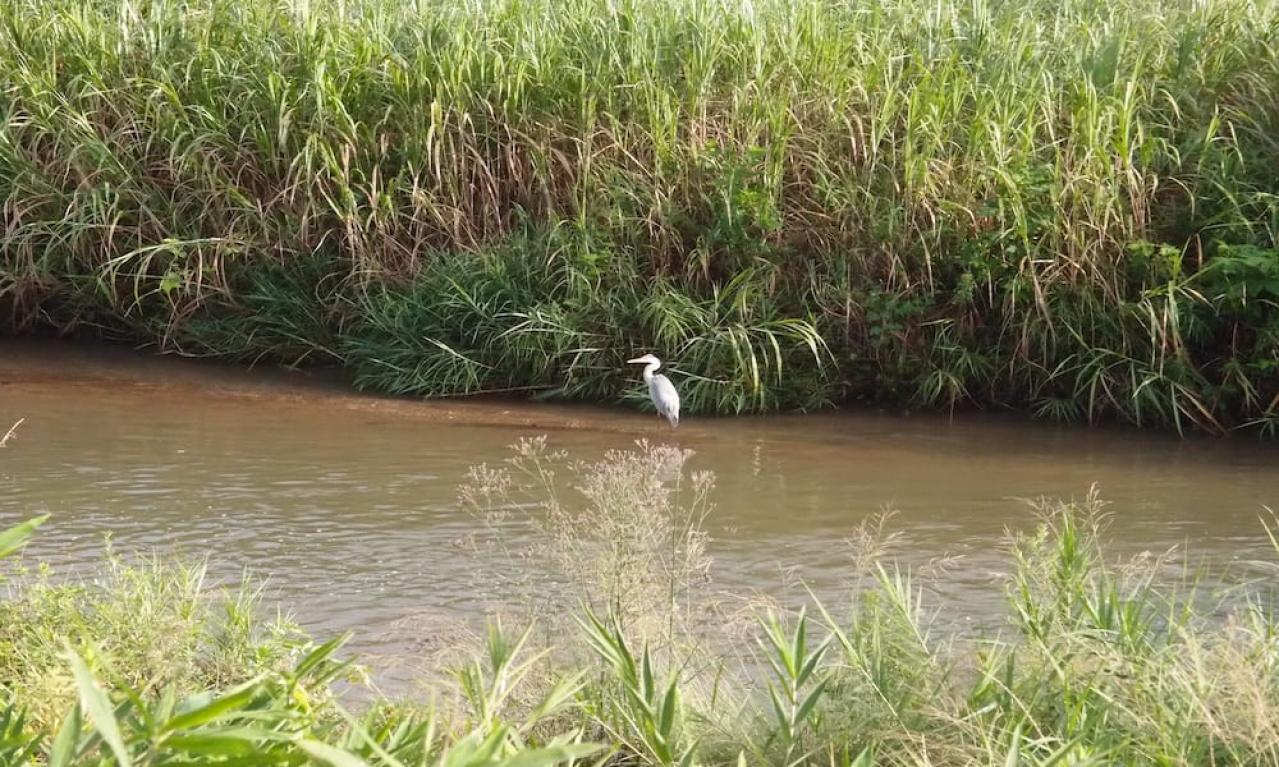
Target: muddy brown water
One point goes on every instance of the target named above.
(347, 503)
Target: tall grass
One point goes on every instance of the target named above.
(144, 666)
(156, 622)
(1065, 207)
(623, 536)
(1100, 662)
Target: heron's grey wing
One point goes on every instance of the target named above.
(665, 398)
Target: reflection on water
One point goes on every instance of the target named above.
(348, 503)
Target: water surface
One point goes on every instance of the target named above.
(349, 503)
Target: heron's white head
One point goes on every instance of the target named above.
(647, 359)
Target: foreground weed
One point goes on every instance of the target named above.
(1101, 662)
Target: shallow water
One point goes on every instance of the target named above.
(349, 503)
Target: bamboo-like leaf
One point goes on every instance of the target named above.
(223, 705)
(553, 755)
(810, 701)
(98, 707)
(67, 741)
(331, 755)
(14, 538)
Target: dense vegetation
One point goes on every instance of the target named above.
(1100, 664)
(1069, 207)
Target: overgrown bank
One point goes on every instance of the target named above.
(1102, 663)
(1062, 207)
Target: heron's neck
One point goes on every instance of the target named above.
(650, 369)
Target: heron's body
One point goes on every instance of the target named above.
(660, 389)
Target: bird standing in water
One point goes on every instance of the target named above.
(660, 388)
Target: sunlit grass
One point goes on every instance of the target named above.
(156, 623)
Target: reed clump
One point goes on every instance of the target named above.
(1067, 208)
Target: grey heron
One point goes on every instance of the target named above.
(660, 388)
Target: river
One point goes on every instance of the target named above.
(347, 503)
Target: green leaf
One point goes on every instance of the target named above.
(806, 707)
(64, 745)
(671, 702)
(234, 700)
(170, 282)
(318, 657)
(212, 744)
(331, 755)
(97, 705)
(1063, 753)
(646, 675)
(16, 537)
(552, 755)
(1013, 757)
(252, 738)
(779, 710)
(358, 730)
(559, 695)
(687, 759)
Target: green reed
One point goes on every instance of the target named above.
(1063, 207)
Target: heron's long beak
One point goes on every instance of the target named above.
(636, 360)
